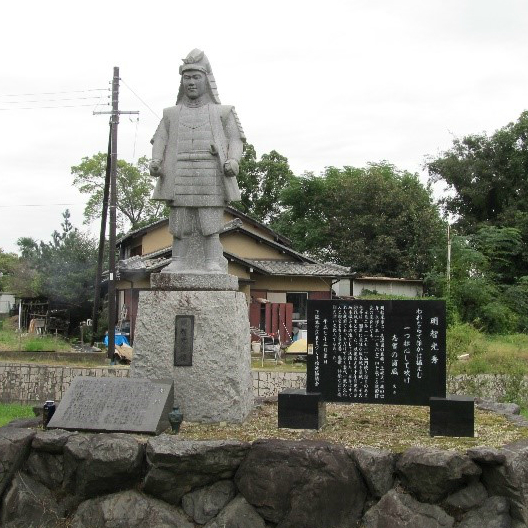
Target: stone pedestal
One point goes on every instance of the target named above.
(452, 416)
(215, 385)
(299, 409)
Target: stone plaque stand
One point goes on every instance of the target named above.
(216, 386)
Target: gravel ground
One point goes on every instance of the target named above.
(383, 426)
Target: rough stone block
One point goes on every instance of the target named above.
(115, 405)
(176, 467)
(452, 416)
(299, 409)
(308, 484)
(217, 387)
(432, 474)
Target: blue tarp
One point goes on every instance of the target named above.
(119, 340)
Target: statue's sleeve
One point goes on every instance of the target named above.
(160, 138)
(235, 136)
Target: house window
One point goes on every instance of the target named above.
(136, 250)
(299, 301)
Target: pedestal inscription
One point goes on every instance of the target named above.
(115, 405)
(183, 340)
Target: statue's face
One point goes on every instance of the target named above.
(194, 83)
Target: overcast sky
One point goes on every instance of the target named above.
(323, 83)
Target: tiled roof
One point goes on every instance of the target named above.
(156, 261)
(314, 269)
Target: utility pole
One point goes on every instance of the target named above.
(114, 122)
(102, 238)
(448, 270)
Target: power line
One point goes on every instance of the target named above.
(53, 100)
(56, 106)
(55, 93)
(40, 205)
(140, 98)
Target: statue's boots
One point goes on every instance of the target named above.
(212, 257)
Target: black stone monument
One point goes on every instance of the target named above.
(388, 352)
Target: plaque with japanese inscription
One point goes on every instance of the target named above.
(131, 405)
(183, 340)
(391, 352)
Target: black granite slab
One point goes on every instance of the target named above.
(452, 416)
(131, 405)
(299, 409)
(389, 352)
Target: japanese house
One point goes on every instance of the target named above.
(276, 280)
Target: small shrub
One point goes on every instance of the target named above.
(462, 338)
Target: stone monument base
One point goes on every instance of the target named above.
(208, 332)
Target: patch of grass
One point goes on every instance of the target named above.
(11, 340)
(383, 426)
(287, 364)
(497, 354)
(12, 411)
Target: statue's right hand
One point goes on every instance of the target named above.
(155, 168)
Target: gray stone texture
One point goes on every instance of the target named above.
(494, 513)
(399, 510)
(14, 448)
(511, 479)
(176, 467)
(467, 498)
(186, 282)
(218, 385)
(237, 514)
(295, 484)
(128, 509)
(486, 455)
(432, 474)
(377, 467)
(203, 504)
(97, 404)
(95, 464)
(29, 504)
(46, 468)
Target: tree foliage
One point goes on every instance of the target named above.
(62, 269)
(8, 263)
(261, 182)
(134, 188)
(377, 220)
(488, 195)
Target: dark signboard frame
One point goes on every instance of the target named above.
(183, 340)
(387, 352)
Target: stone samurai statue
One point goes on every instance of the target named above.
(196, 152)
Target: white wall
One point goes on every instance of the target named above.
(406, 289)
(7, 301)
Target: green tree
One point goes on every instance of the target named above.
(134, 188)
(62, 269)
(261, 182)
(377, 220)
(487, 183)
(8, 263)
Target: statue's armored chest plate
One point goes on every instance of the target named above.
(195, 118)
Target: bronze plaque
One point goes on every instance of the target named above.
(183, 340)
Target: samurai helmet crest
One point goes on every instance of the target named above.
(197, 60)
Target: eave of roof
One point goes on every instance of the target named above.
(235, 212)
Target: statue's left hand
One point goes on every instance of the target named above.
(231, 167)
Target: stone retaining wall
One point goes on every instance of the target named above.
(57, 478)
(34, 383)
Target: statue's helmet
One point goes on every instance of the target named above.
(197, 60)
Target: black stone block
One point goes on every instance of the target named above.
(299, 409)
(452, 416)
